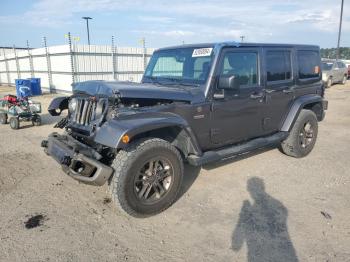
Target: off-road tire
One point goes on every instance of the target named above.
(292, 146)
(36, 120)
(3, 118)
(128, 161)
(14, 123)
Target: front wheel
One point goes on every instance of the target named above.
(14, 123)
(302, 137)
(147, 177)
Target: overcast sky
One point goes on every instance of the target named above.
(171, 22)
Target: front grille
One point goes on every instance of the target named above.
(85, 111)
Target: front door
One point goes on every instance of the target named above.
(236, 115)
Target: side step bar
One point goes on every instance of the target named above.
(235, 150)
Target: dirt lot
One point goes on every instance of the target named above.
(224, 213)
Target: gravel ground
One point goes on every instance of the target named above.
(266, 207)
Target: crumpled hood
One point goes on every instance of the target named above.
(138, 90)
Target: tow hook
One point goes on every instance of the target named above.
(66, 160)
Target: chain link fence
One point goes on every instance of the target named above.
(61, 66)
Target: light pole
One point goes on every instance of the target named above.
(87, 27)
(242, 38)
(340, 22)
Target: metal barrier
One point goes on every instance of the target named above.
(60, 66)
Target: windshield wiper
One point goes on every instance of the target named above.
(154, 80)
(175, 81)
(170, 81)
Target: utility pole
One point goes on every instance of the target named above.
(143, 42)
(242, 38)
(31, 65)
(114, 62)
(87, 27)
(340, 23)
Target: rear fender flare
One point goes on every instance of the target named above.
(297, 106)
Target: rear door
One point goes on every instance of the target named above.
(342, 70)
(338, 72)
(279, 87)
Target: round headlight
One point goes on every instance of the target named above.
(72, 105)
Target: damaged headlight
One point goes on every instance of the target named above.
(72, 106)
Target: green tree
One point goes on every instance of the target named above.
(332, 53)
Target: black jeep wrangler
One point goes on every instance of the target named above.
(195, 103)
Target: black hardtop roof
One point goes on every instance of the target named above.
(237, 44)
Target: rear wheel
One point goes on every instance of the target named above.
(147, 178)
(344, 80)
(14, 123)
(303, 135)
(3, 118)
(329, 82)
(36, 120)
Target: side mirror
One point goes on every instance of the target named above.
(228, 82)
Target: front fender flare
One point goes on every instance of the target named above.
(111, 132)
(297, 106)
(57, 105)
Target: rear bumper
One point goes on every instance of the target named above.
(325, 104)
(324, 107)
(77, 160)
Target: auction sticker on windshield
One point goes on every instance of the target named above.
(202, 52)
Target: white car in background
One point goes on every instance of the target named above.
(348, 66)
(334, 72)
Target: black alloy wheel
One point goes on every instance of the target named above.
(154, 180)
(306, 135)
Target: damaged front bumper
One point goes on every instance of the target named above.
(77, 159)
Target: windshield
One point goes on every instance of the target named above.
(182, 66)
(327, 66)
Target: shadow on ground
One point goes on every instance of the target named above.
(263, 226)
(190, 175)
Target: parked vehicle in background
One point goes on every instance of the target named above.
(196, 104)
(334, 72)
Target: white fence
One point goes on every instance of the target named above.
(60, 66)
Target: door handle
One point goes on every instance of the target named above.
(269, 91)
(288, 91)
(257, 96)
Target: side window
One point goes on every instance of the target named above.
(278, 66)
(243, 65)
(308, 64)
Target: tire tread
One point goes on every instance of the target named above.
(123, 160)
(290, 146)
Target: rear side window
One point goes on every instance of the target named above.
(341, 65)
(278, 66)
(308, 64)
